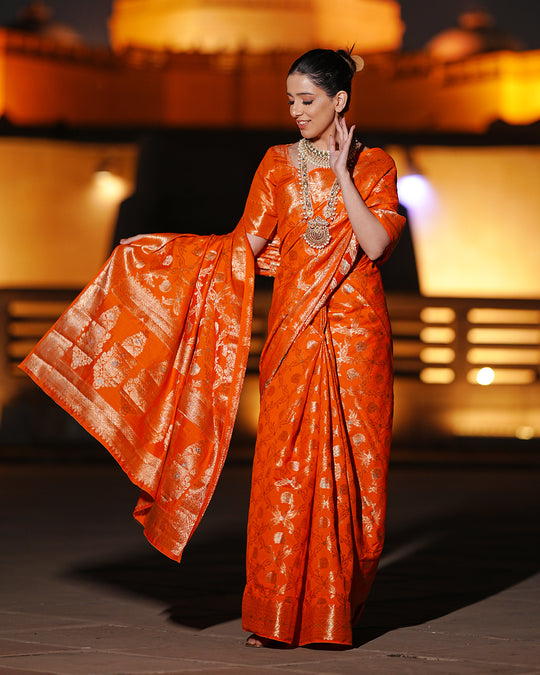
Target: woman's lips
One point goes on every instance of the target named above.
(302, 124)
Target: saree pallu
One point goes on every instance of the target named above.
(150, 359)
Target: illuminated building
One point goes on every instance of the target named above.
(256, 26)
(465, 121)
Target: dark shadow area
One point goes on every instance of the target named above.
(204, 590)
(193, 180)
(400, 272)
(455, 537)
(485, 544)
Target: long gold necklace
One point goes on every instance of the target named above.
(317, 233)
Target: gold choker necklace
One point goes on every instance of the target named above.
(312, 154)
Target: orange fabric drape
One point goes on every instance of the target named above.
(150, 359)
(316, 521)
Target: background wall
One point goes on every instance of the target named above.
(475, 226)
(58, 206)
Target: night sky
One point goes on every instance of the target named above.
(423, 18)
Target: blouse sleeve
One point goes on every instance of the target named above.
(380, 195)
(260, 214)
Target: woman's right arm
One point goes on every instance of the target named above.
(259, 218)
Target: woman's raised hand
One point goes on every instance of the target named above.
(340, 146)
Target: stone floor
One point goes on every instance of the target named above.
(83, 593)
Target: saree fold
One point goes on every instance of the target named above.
(150, 359)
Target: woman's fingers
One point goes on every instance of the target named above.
(341, 127)
(130, 240)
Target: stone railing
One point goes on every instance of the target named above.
(465, 367)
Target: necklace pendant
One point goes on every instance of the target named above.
(317, 234)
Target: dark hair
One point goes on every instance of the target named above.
(330, 70)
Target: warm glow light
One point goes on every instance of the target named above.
(525, 433)
(508, 336)
(19, 349)
(248, 409)
(255, 25)
(415, 192)
(437, 355)
(485, 376)
(437, 375)
(437, 335)
(507, 376)
(514, 376)
(504, 422)
(37, 309)
(437, 315)
(469, 215)
(110, 187)
(497, 315)
(503, 356)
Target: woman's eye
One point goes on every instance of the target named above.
(307, 102)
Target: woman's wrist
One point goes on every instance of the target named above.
(345, 180)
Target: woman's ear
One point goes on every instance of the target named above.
(340, 101)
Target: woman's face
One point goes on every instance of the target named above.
(312, 109)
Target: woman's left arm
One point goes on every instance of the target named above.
(371, 235)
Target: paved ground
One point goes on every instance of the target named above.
(82, 592)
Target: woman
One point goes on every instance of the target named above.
(150, 359)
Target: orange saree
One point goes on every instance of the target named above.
(151, 357)
(317, 510)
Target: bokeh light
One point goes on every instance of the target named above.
(110, 186)
(485, 376)
(415, 192)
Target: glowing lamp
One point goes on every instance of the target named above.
(485, 376)
(414, 191)
(110, 186)
(525, 433)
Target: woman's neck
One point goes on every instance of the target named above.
(323, 142)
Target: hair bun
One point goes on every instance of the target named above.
(354, 61)
(346, 56)
(358, 62)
